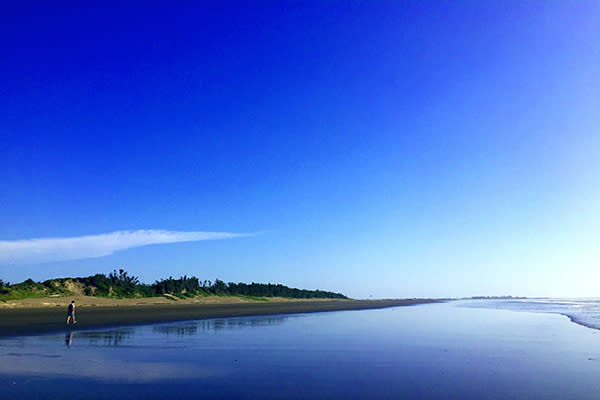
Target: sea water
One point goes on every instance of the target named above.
(451, 350)
(585, 312)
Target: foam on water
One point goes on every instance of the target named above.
(585, 312)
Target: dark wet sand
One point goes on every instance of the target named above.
(31, 321)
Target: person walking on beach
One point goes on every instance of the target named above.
(71, 312)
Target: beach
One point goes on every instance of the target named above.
(447, 350)
(36, 316)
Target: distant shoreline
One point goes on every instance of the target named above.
(32, 320)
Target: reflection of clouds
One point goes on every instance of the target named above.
(102, 369)
(127, 355)
(15, 354)
(87, 357)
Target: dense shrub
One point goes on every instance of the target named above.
(121, 284)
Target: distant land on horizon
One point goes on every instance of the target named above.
(497, 297)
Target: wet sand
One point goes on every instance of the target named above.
(36, 320)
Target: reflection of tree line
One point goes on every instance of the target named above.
(115, 337)
(104, 338)
(180, 330)
(217, 325)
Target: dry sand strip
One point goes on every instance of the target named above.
(31, 321)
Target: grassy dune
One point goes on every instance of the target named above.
(121, 285)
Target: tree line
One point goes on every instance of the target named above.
(121, 284)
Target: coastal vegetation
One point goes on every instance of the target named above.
(119, 284)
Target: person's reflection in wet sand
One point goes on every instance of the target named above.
(69, 339)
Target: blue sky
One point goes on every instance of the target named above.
(385, 149)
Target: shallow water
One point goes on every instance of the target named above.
(585, 312)
(433, 351)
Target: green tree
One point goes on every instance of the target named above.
(4, 287)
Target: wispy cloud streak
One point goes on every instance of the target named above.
(60, 249)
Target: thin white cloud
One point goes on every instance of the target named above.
(60, 249)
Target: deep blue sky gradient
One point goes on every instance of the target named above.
(392, 148)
